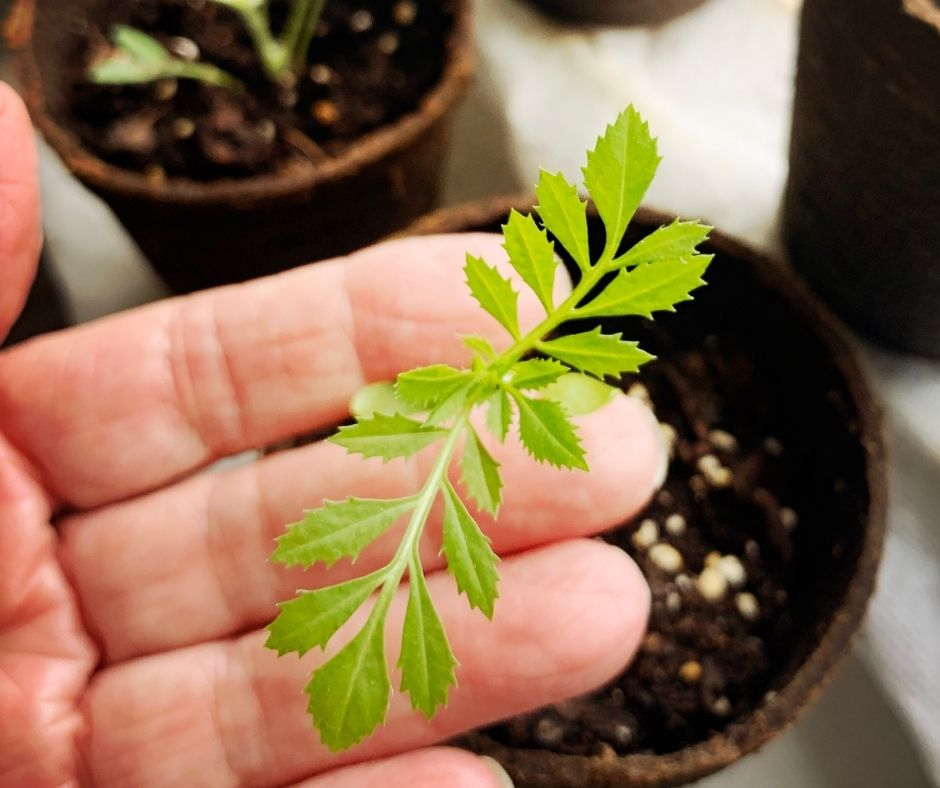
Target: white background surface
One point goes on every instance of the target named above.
(716, 88)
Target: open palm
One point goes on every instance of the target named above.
(134, 585)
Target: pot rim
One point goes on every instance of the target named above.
(296, 177)
(752, 731)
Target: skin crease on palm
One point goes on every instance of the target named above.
(134, 585)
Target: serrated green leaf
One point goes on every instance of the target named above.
(480, 345)
(532, 254)
(480, 474)
(679, 239)
(596, 353)
(430, 386)
(388, 437)
(536, 373)
(579, 394)
(450, 407)
(564, 213)
(547, 434)
(349, 694)
(499, 414)
(378, 398)
(426, 661)
(338, 530)
(313, 617)
(494, 293)
(619, 171)
(649, 288)
(469, 556)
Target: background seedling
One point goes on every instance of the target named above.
(139, 58)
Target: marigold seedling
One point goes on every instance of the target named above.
(539, 380)
(139, 58)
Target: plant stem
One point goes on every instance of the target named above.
(271, 52)
(407, 556)
(300, 29)
(407, 550)
(205, 72)
(564, 312)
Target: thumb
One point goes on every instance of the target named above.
(20, 236)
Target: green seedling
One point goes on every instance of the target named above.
(539, 380)
(139, 58)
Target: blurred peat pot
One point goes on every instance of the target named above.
(862, 206)
(218, 187)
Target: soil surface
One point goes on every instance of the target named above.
(748, 547)
(714, 546)
(370, 62)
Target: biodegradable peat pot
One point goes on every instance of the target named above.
(619, 12)
(757, 375)
(199, 233)
(862, 205)
(45, 309)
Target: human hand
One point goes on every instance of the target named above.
(131, 629)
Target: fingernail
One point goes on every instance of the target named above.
(503, 780)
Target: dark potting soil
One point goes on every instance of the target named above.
(749, 545)
(714, 546)
(370, 62)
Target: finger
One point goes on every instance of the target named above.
(569, 617)
(431, 768)
(189, 564)
(157, 392)
(45, 658)
(19, 207)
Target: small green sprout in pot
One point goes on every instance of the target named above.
(139, 58)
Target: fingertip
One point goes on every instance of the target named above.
(500, 775)
(14, 118)
(619, 608)
(627, 455)
(20, 237)
(629, 600)
(426, 768)
(5, 92)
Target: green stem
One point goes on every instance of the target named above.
(561, 314)
(254, 13)
(300, 29)
(407, 550)
(205, 72)
(270, 50)
(406, 557)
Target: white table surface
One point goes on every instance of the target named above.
(854, 736)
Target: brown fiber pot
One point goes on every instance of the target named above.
(202, 234)
(862, 205)
(619, 12)
(802, 351)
